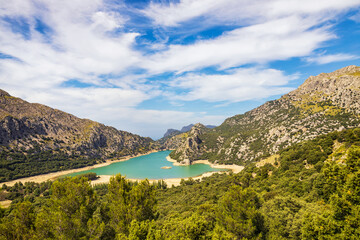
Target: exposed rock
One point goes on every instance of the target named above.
(190, 146)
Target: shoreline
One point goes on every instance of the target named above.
(52, 176)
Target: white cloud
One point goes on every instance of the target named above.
(329, 58)
(107, 21)
(274, 40)
(16, 8)
(172, 14)
(239, 85)
(79, 47)
(356, 17)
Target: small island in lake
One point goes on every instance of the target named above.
(166, 167)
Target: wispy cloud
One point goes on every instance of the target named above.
(329, 58)
(275, 40)
(241, 11)
(356, 17)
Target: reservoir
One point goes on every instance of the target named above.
(151, 166)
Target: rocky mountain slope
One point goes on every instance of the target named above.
(324, 103)
(29, 128)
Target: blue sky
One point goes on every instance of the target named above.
(146, 66)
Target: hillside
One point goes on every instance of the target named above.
(307, 191)
(37, 139)
(325, 103)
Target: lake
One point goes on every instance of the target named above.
(149, 166)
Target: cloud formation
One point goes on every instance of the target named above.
(97, 60)
(324, 59)
(242, 11)
(260, 43)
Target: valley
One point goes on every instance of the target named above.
(295, 165)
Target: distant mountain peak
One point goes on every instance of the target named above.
(171, 132)
(186, 128)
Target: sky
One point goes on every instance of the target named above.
(146, 66)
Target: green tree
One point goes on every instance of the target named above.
(68, 213)
(128, 202)
(238, 213)
(20, 223)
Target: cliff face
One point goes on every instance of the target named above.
(24, 125)
(188, 144)
(325, 103)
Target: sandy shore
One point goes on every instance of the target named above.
(54, 175)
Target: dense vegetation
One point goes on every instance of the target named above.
(35, 161)
(309, 191)
(19, 163)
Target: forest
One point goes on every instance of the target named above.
(310, 190)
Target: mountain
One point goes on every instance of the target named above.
(186, 128)
(171, 132)
(37, 139)
(322, 104)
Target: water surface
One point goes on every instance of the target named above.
(149, 166)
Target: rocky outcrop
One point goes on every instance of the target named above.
(188, 149)
(24, 125)
(173, 138)
(324, 103)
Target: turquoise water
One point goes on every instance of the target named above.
(149, 166)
